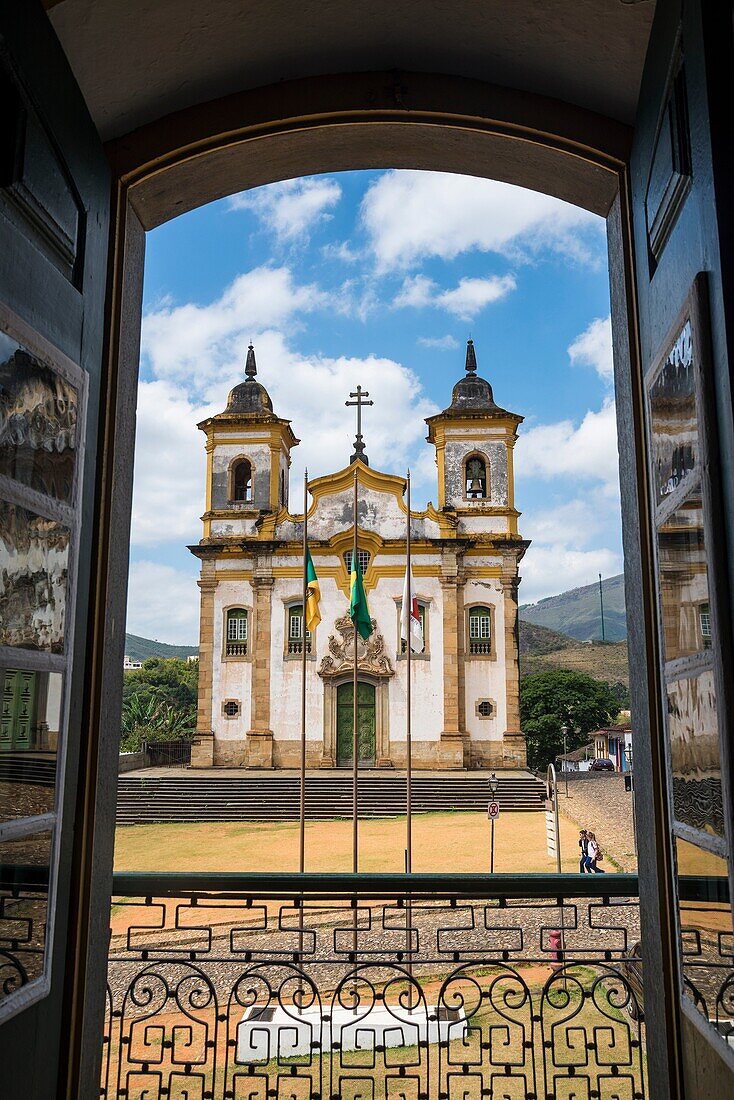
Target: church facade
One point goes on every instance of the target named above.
(466, 552)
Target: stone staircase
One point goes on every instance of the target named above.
(145, 798)
(37, 769)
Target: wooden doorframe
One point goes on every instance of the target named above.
(325, 124)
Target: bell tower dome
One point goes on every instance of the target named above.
(248, 451)
(474, 439)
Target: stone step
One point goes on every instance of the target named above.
(145, 799)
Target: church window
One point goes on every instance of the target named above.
(236, 645)
(295, 630)
(480, 632)
(485, 708)
(282, 487)
(363, 557)
(422, 614)
(242, 481)
(704, 618)
(475, 478)
(231, 708)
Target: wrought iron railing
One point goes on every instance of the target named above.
(403, 988)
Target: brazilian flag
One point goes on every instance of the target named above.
(313, 595)
(358, 610)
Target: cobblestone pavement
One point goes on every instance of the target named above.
(600, 803)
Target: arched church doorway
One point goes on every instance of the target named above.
(366, 724)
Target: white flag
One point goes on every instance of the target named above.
(410, 620)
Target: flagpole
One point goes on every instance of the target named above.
(302, 814)
(409, 748)
(408, 730)
(355, 746)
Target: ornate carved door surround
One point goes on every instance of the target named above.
(374, 667)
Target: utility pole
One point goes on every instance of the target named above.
(601, 605)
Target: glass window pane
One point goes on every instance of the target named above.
(673, 418)
(34, 562)
(706, 939)
(684, 589)
(694, 753)
(38, 423)
(30, 723)
(24, 872)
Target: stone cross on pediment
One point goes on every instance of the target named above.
(371, 656)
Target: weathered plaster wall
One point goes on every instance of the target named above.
(224, 454)
(231, 678)
(494, 451)
(378, 512)
(485, 679)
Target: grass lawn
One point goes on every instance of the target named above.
(441, 842)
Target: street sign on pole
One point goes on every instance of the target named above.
(493, 811)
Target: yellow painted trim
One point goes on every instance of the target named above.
(441, 461)
(511, 473)
(275, 450)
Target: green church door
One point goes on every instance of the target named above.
(365, 724)
(18, 707)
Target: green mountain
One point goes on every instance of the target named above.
(577, 612)
(140, 648)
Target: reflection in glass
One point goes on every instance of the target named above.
(34, 561)
(24, 865)
(684, 589)
(673, 417)
(694, 753)
(30, 719)
(706, 937)
(38, 423)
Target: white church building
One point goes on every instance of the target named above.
(466, 552)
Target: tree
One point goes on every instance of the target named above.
(550, 700)
(159, 702)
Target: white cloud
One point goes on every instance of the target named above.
(587, 452)
(442, 343)
(593, 348)
(200, 342)
(411, 216)
(417, 291)
(163, 603)
(548, 570)
(465, 301)
(168, 489)
(293, 208)
(471, 295)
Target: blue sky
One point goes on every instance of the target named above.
(378, 278)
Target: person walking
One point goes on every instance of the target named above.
(595, 855)
(583, 853)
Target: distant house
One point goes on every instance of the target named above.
(128, 664)
(615, 742)
(193, 658)
(576, 761)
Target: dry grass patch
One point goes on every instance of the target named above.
(441, 842)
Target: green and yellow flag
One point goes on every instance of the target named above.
(313, 595)
(358, 610)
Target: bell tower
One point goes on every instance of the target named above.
(474, 440)
(248, 452)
